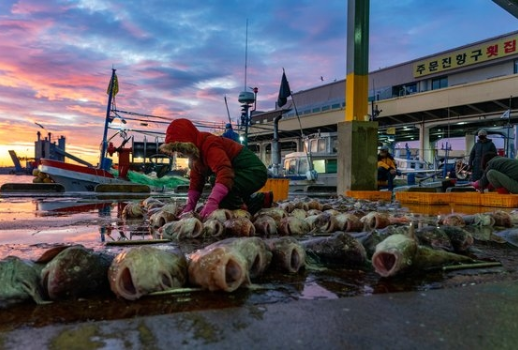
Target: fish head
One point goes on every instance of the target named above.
(20, 281)
(394, 254)
(218, 267)
(141, 270)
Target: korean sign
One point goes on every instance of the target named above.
(468, 56)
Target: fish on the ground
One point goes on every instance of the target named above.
(141, 270)
(502, 219)
(254, 250)
(150, 203)
(314, 203)
(133, 210)
(75, 272)
(333, 212)
(400, 253)
(213, 228)
(483, 234)
(19, 281)
(349, 222)
(312, 212)
(509, 235)
(369, 239)
(434, 237)
(239, 227)
(265, 226)
(241, 213)
(185, 228)
(461, 240)
(288, 254)
(340, 248)
(229, 264)
(221, 215)
(478, 220)
(167, 213)
(277, 213)
(323, 223)
(287, 206)
(293, 226)
(218, 267)
(453, 219)
(375, 220)
(300, 213)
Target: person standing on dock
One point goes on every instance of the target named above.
(481, 147)
(237, 172)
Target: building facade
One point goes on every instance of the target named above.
(449, 94)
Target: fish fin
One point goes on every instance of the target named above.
(36, 294)
(410, 233)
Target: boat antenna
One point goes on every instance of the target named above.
(228, 112)
(246, 98)
(246, 53)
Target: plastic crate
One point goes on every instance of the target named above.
(465, 198)
(423, 198)
(444, 209)
(279, 187)
(371, 195)
(499, 200)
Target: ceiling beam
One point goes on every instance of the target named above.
(510, 6)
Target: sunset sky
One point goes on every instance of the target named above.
(180, 58)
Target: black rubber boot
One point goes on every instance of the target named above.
(259, 200)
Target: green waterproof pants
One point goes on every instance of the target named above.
(498, 179)
(250, 176)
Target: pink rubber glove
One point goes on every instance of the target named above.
(192, 198)
(219, 192)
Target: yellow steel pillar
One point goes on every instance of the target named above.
(357, 135)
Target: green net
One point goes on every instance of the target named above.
(169, 182)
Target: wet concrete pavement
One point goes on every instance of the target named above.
(480, 316)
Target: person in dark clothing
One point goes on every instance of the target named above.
(387, 169)
(230, 133)
(501, 173)
(481, 147)
(238, 172)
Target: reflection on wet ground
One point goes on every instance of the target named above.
(29, 226)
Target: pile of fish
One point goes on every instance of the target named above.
(232, 248)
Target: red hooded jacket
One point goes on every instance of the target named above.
(216, 153)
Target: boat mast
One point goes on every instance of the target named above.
(246, 98)
(228, 112)
(104, 144)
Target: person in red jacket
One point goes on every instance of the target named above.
(238, 172)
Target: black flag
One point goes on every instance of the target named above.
(284, 91)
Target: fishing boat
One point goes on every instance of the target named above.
(78, 178)
(89, 178)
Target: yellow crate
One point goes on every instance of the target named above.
(423, 198)
(279, 187)
(465, 198)
(499, 200)
(444, 209)
(371, 195)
